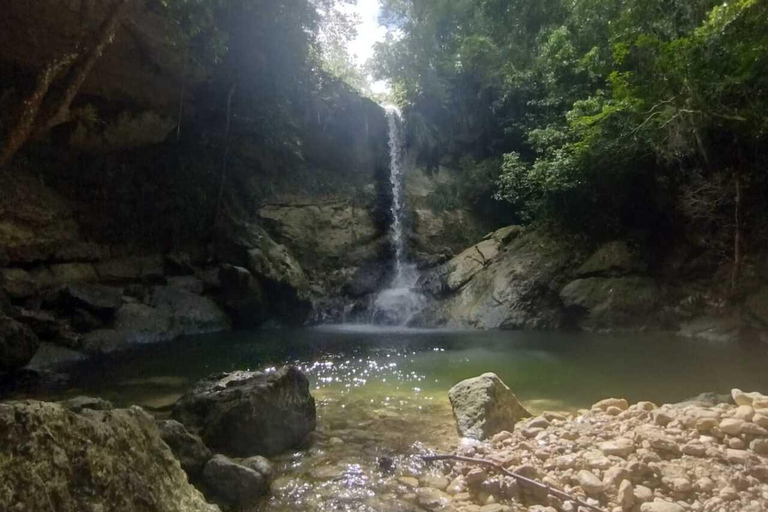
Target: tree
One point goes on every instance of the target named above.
(44, 109)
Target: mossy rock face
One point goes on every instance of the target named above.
(52, 458)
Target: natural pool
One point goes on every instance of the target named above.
(382, 393)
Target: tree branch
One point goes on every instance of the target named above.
(520, 478)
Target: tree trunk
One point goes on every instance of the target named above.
(20, 133)
(737, 228)
(29, 124)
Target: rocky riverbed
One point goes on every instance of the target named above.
(694, 456)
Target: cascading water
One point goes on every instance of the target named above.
(397, 304)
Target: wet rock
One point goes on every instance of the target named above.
(250, 413)
(434, 481)
(243, 296)
(432, 499)
(18, 344)
(186, 447)
(82, 403)
(484, 406)
(190, 313)
(233, 483)
(95, 460)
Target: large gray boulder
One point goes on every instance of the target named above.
(99, 299)
(245, 244)
(173, 312)
(613, 259)
(250, 413)
(484, 406)
(603, 303)
(188, 448)
(18, 344)
(234, 483)
(94, 460)
(516, 289)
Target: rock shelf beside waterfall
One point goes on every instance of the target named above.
(693, 456)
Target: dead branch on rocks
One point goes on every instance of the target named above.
(520, 478)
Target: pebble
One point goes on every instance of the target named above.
(744, 412)
(476, 475)
(742, 398)
(642, 493)
(752, 429)
(759, 446)
(761, 419)
(432, 499)
(661, 506)
(589, 482)
(662, 418)
(626, 496)
(603, 405)
(705, 484)
(620, 447)
(731, 426)
(434, 481)
(728, 494)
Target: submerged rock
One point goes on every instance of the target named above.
(95, 460)
(18, 344)
(250, 413)
(234, 483)
(484, 406)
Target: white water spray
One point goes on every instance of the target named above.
(398, 304)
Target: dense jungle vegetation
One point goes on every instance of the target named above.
(601, 115)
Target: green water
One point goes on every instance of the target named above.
(383, 393)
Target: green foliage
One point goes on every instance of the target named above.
(598, 110)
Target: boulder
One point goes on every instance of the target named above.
(67, 273)
(613, 259)
(139, 268)
(186, 447)
(81, 403)
(190, 313)
(235, 484)
(243, 296)
(95, 460)
(484, 406)
(82, 251)
(517, 290)
(247, 245)
(173, 312)
(188, 283)
(250, 413)
(18, 344)
(458, 271)
(99, 299)
(598, 303)
(18, 283)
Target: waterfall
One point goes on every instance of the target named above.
(397, 304)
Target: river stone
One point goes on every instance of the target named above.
(660, 505)
(484, 406)
(96, 460)
(620, 447)
(742, 398)
(186, 447)
(731, 426)
(18, 344)
(250, 413)
(589, 482)
(233, 483)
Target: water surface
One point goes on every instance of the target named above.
(382, 393)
